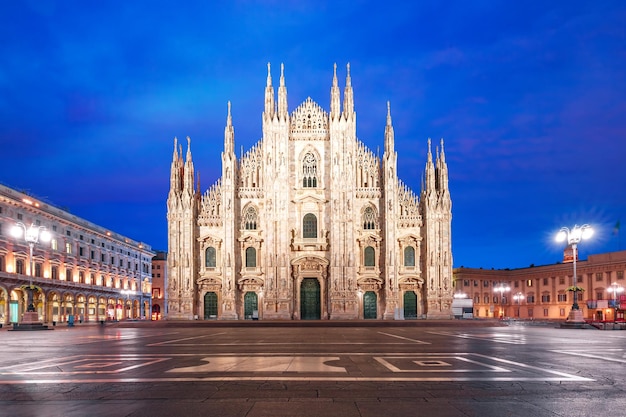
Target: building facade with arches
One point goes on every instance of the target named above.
(85, 273)
(308, 224)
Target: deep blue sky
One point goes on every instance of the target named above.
(530, 97)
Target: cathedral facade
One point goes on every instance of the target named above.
(309, 224)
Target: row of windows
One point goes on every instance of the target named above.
(81, 278)
(369, 257)
(92, 255)
(545, 298)
(68, 245)
(250, 221)
(599, 276)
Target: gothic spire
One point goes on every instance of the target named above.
(334, 97)
(269, 96)
(430, 171)
(175, 170)
(442, 170)
(348, 98)
(282, 95)
(389, 136)
(229, 134)
(188, 180)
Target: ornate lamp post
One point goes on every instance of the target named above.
(518, 297)
(31, 235)
(615, 288)
(573, 238)
(501, 288)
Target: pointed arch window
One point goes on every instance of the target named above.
(250, 257)
(369, 218)
(209, 257)
(309, 171)
(309, 226)
(250, 219)
(368, 256)
(409, 256)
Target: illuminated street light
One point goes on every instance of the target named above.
(31, 236)
(518, 297)
(501, 288)
(573, 237)
(615, 288)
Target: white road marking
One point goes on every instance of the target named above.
(512, 339)
(176, 341)
(592, 356)
(406, 338)
(422, 367)
(264, 364)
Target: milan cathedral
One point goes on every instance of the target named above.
(309, 224)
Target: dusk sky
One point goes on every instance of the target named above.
(529, 96)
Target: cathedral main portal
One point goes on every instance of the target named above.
(310, 303)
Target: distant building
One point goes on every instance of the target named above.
(541, 292)
(309, 224)
(85, 271)
(159, 284)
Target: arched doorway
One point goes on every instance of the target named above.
(310, 299)
(250, 305)
(369, 305)
(156, 312)
(210, 305)
(410, 305)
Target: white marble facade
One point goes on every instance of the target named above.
(309, 224)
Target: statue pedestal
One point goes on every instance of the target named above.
(30, 321)
(575, 316)
(575, 320)
(30, 317)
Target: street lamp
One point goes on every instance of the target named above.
(31, 236)
(502, 289)
(615, 288)
(573, 238)
(518, 297)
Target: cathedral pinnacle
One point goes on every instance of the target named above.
(430, 171)
(229, 133)
(175, 156)
(334, 96)
(188, 157)
(389, 136)
(175, 170)
(348, 97)
(282, 95)
(188, 178)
